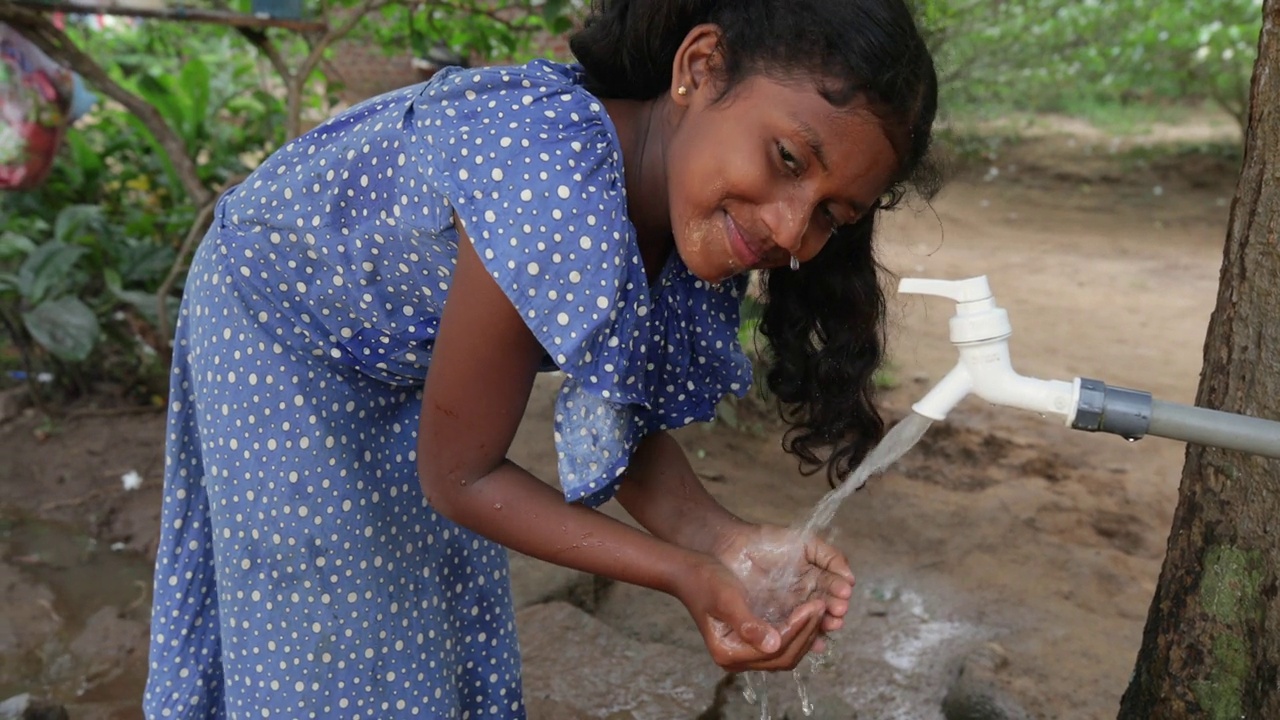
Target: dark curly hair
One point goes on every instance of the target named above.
(824, 323)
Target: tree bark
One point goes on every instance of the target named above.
(1211, 647)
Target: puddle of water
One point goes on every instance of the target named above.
(906, 653)
(910, 646)
(84, 577)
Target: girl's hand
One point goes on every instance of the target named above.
(783, 572)
(737, 639)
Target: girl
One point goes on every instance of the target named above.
(362, 325)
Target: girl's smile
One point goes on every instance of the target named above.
(749, 252)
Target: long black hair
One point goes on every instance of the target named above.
(824, 323)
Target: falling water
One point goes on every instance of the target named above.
(773, 594)
(802, 687)
(895, 444)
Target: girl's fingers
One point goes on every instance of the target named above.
(836, 586)
(800, 642)
(823, 555)
(798, 636)
(832, 623)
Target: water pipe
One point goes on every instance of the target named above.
(980, 331)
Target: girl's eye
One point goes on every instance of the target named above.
(789, 160)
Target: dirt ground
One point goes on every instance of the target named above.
(1001, 530)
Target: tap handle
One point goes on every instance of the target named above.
(977, 318)
(962, 291)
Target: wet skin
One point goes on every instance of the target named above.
(730, 183)
(746, 179)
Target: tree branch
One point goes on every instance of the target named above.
(259, 39)
(296, 81)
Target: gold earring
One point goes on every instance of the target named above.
(682, 90)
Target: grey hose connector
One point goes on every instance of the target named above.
(1133, 414)
(1216, 428)
(1114, 410)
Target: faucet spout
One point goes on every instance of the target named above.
(985, 371)
(998, 383)
(944, 396)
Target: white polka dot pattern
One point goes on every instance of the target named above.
(300, 571)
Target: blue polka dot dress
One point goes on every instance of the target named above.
(301, 573)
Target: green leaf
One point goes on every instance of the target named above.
(82, 154)
(194, 82)
(144, 303)
(159, 92)
(46, 267)
(171, 175)
(553, 9)
(76, 221)
(66, 327)
(14, 245)
(561, 25)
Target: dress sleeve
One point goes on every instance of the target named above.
(531, 168)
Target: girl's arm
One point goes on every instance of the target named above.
(663, 493)
(482, 370)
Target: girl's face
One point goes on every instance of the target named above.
(769, 172)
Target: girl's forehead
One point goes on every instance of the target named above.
(801, 105)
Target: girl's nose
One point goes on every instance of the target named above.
(788, 222)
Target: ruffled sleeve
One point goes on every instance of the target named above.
(529, 163)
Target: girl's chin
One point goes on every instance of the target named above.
(714, 272)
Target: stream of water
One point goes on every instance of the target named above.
(774, 593)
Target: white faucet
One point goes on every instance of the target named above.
(980, 331)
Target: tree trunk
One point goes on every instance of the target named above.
(1211, 648)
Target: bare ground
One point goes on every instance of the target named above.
(1001, 534)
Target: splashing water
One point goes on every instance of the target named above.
(774, 592)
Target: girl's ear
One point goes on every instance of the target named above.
(696, 64)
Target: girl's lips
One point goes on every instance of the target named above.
(742, 252)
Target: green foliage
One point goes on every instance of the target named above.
(1055, 54)
(36, 298)
(203, 84)
(207, 86)
(84, 255)
(471, 28)
(67, 285)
